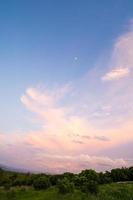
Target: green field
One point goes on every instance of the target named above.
(106, 192)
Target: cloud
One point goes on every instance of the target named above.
(122, 51)
(86, 137)
(99, 125)
(121, 57)
(61, 163)
(66, 139)
(78, 141)
(63, 128)
(2, 138)
(79, 121)
(102, 138)
(116, 74)
(43, 161)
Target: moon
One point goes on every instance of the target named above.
(75, 58)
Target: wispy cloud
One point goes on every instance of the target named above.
(121, 62)
(78, 120)
(116, 74)
(53, 162)
(66, 130)
(102, 138)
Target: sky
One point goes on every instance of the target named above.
(66, 84)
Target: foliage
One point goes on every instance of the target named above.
(53, 179)
(65, 186)
(106, 192)
(130, 173)
(87, 182)
(90, 187)
(89, 174)
(119, 174)
(10, 195)
(105, 177)
(41, 183)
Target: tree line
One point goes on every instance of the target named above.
(87, 180)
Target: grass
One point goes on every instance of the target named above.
(106, 192)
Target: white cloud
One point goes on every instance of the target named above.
(122, 57)
(79, 120)
(116, 74)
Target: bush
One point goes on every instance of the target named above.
(53, 180)
(7, 186)
(65, 186)
(41, 183)
(89, 174)
(10, 195)
(90, 187)
(119, 174)
(104, 178)
(88, 181)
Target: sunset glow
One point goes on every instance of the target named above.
(66, 105)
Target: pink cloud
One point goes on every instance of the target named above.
(78, 120)
(116, 74)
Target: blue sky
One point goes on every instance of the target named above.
(52, 44)
(40, 39)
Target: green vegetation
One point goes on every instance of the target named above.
(106, 192)
(41, 182)
(114, 185)
(65, 186)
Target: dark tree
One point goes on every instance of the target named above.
(41, 183)
(65, 186)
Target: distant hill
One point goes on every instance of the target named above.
(12, 169)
